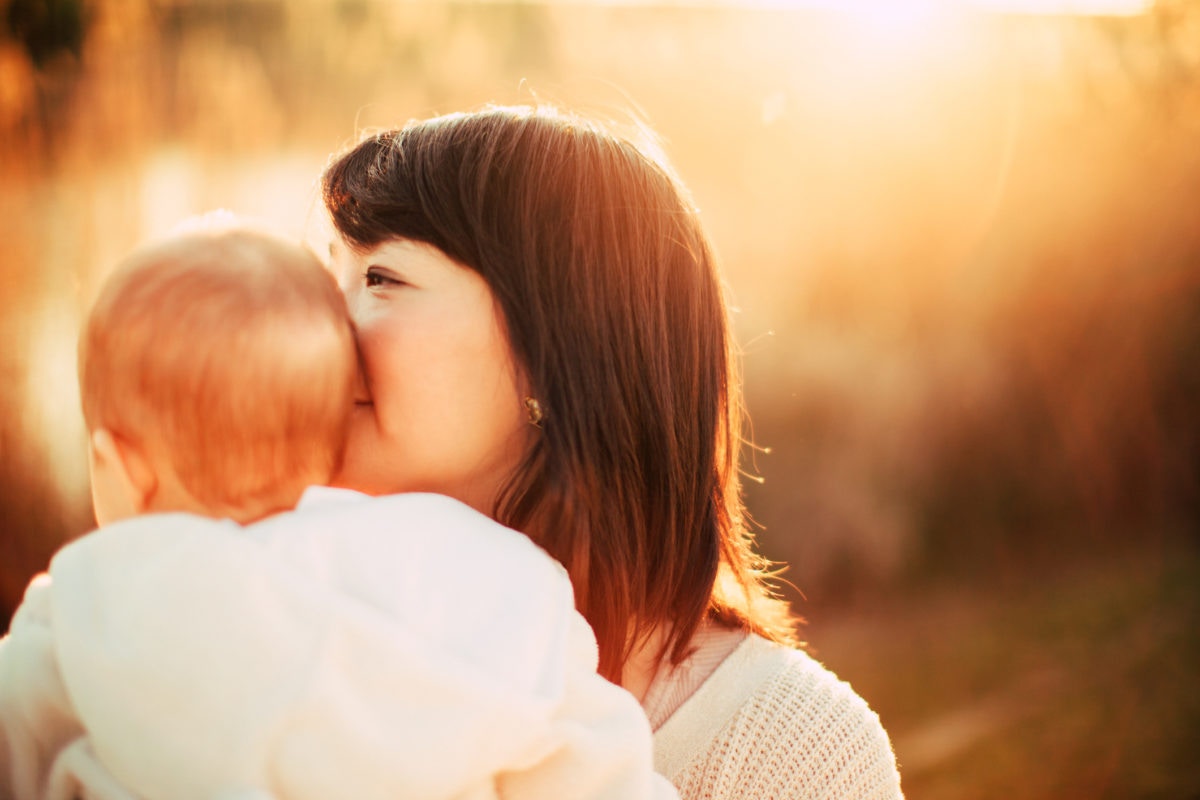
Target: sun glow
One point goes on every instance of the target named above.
(1082, 8)
(888, 15)
(892, 32)
(888, 11)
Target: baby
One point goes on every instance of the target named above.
(234, 629)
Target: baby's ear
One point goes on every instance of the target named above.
(123, 478)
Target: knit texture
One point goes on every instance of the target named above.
(773, 724)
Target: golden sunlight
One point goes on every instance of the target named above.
(1092, 8)
(905, 11)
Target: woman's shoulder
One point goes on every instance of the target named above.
(801, 688)
(789, 727)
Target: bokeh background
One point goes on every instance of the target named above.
(964, 246)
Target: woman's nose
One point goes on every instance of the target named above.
(353, 299)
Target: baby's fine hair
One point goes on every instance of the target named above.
(226, 351)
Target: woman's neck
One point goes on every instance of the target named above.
(643, 663)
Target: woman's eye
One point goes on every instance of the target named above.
(376, 278)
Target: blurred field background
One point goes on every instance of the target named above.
(964, 245)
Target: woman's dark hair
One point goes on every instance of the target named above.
(616, 314)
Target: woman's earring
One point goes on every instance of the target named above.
(534, 409)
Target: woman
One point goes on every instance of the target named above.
(544, 336)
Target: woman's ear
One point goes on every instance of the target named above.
(123, 478)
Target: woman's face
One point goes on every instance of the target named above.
(439, 408)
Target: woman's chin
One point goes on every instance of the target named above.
(368, 462)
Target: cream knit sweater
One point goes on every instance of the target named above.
(773, 724)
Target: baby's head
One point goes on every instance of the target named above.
(217, 374)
